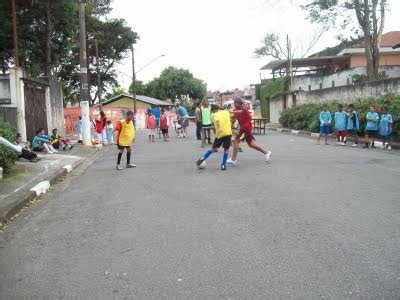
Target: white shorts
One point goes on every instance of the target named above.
(152, 131)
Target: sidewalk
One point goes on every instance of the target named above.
(31, 179)
(332, 137)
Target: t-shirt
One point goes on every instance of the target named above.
(197, 115)
(352, 121)
(182, 112)
(222, 123)
(151, 122)
(126, 133)
(340, 120)
(164, 122)
(325, 118)
(243, 116)
(385, 127)
(206, 116)
(371, 125)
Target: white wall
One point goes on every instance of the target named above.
(340, 78)
(275, 109)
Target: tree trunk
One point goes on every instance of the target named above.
(47, 39)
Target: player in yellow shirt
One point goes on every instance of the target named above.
(223, 133)
(125, 136)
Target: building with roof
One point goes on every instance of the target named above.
(319, 75)
(142, 102)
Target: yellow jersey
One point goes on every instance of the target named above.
(222, 123)
(126, 133)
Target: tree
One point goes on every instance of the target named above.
(370, 15)
(280, 47)
(174, 83)
(140, 88)
(116, 91)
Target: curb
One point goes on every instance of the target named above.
(11, 210)
(315, 135)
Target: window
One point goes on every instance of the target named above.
(333, 83)
(294, 100)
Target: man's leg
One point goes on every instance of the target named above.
(206, 155)
(326, 139)
(121, 151)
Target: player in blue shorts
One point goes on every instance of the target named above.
(325, 119)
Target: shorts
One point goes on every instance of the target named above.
(185, 123)
(324, 129)
(372, 133)
(340, 133)
(164, 130)
(123, 147)
(351, 131)
(248, 136)
(152, 131)
(225, 142)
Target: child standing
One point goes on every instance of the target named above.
(79, 130)
(340, 125)
(151, 125)
(325, 119)
(371, 129)
(109, 132)
(125, 132)
(352, 124)
(385, 128)
(223, 133)
(164, 125)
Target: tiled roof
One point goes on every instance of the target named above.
(390, 39)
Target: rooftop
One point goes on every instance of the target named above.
(146, 99)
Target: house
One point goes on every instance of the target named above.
(338, 77)
(142, 102)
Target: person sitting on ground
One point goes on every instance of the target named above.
(59, 142)
(26, 150)
(42, 142)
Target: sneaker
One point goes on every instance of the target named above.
(130, 165)
(71, 147)
(54, 151)
(268, 156)
(119, 168)
(342, 144)
(200, 161)
(383, 147)
(231, 162)
(354, 145)
(223, 167)
(389, 147)
(50, 152)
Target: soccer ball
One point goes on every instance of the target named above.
(202, 166)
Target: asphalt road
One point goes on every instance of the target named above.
(318, 221)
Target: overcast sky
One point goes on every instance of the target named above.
(215, 39)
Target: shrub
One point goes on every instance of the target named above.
(7, 156)
(306, 116)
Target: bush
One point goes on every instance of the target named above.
(7, 156)
(306, 116)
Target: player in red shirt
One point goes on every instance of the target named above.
(242, 114)
(164, 125)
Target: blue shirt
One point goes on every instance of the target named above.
(371, 125)
(340, 121)
(79, 126)
(352, 121)
(325, 118)
(39, 139)
(385, 127)
(182, 112)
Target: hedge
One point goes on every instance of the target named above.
(7, 156)
(306, 116)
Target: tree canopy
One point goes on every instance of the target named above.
(48, 37)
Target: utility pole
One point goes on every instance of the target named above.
(133, 79)
(84, 75)
(98, 74)
(15, 36)
(289, 49)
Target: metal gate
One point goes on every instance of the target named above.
(35, 106)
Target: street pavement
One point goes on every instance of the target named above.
(318, 221)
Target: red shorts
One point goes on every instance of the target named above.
(248, 136)
(341, 133)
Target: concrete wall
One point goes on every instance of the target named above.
(342, 78)
(5, 95)
(275, 109)
(55, 118)
(350, 93)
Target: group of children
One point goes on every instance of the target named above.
(151, 125)
(222, 121)
(347, 124)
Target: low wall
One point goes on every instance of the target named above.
(349, 93)
(71, 116)
(275, 109)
